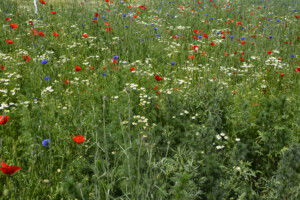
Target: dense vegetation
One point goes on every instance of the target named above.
(184, 100)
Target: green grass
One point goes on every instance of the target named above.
(224, 125)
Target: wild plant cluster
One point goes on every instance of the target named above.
(179, 100)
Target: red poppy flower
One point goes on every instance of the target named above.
(13, 26)
(205, 35)
(143, 7)
(197, 31)
(26, 58)
(191, 57)
(9, 41)
(3, 119)
(42, 2)
(85, 35)
(239, 23)
(55, 34)
(66, 82)
(96, 15)
(41, 34)
(6, 169)
(158, 78)
(243, 42)
(132, 69)
(269, 52)
(108, 29)
(282, 74)
(195, 48)
(297, 69)
(135, 16)
(2, 67)
(78, 68)
(212, 44)
(53, 12)
(34, 32)
(79, 139)
(7, 19)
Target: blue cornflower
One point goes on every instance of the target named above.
(124, 15)
(231, 37)
(157, 35)
(278, 20)
(126, 26)
(173, 63)
(199, 36)
(155, 29)
(293, 56)
(47, 78)
(103, 74)
(46, 142)
(218, 33)
(116, 57)
(44, 61)
(212, 18)
(243, 38)
(270, 37)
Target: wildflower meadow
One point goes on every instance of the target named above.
(149, 99)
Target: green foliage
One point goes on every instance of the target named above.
(214, 128)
